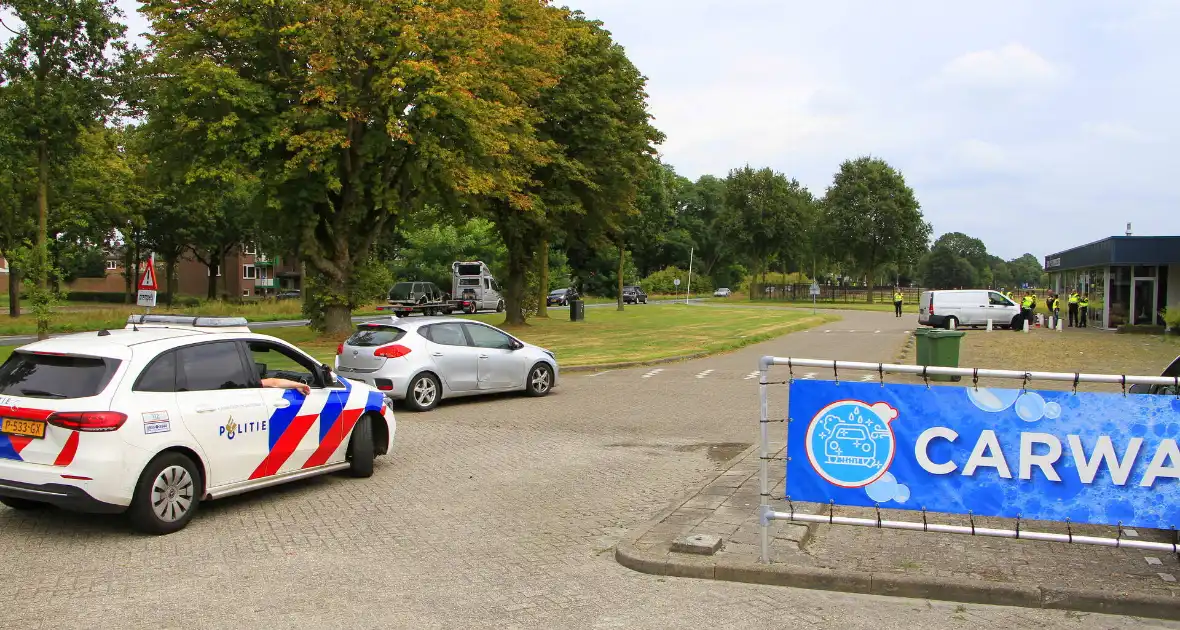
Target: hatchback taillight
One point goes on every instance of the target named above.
(392, 351)
(339, 349)
(89, 421)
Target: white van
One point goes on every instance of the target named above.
(972, 307)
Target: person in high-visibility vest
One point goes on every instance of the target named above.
(1073, 308)
(897, 300)
(1055, 308)
(1027, 304)
(1083, 309)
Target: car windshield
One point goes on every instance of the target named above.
(557, 292)
(368, 335)
(469, 270)
(401, 291)
(55, 376)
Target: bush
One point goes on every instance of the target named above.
(1172, 318)
(117, 297)
(663, 282)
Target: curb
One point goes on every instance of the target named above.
(663, 562)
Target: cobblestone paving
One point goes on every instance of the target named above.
(499, 513)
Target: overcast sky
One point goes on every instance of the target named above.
(1035, 126)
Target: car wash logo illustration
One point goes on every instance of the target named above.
(850, 443)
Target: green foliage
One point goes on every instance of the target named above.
(429, 251)
(942, 268)
(1172, 318)
(662, 282)
(871, 217)
(80, 261)
(767, 213)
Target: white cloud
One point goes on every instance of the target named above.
(1116, 132)
(982, 155)
(1014, 65)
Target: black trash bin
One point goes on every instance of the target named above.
(577, 310)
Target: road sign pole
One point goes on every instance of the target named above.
(688, 289)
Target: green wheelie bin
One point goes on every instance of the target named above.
(939, 347)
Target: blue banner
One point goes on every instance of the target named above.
(1044, 455)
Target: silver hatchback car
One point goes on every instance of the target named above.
(426, 359)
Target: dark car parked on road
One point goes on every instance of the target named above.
(634, 295)
(1172, 371)
(561, 297)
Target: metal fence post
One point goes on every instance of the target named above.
(764, 456)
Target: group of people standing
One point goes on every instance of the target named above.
(1078, 306)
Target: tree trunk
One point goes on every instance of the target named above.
(514, 300)
(337, 320)
(170, 276)
(211, 287)
(42, 254)
(543, 271)
(622, 259)
(13, 291)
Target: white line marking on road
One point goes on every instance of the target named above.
(1167, 577)
(704, 374)
(601, 373)
(653, 372)
(809, 376)
(827, 331)
(867, 377)
(750, 376)
(1130, 532)
(1151, 560)
(876, 331)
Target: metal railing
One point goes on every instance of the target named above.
(767, 514)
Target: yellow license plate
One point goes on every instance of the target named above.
(27, 428)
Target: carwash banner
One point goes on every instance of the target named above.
(1045, 455)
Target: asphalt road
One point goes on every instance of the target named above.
(498, 513)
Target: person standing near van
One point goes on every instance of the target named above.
(897, 300)
(1083, 309)
(1027, 304)
(1073, 308)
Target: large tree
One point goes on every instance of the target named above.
(872, 218)
(595, 122)
(766, 215)
(59, 65)
(352, 114)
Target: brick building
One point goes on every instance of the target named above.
(244, 272)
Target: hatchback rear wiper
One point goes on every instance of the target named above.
(40, 393)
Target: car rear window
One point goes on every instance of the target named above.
(55, 376)
(469, 270)
(366, 336)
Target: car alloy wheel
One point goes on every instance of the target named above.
(172, 494)
(425, 392)
(540, 380)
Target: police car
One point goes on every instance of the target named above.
(170, 411)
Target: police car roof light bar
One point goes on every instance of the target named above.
(188, 320)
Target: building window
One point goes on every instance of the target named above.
(245, 292)
(217, 267)
(250, 249)
(249, 272)
(112, 265)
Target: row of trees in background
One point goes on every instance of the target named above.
(960, 261)
(382, 141)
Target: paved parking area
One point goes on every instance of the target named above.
(495, 513)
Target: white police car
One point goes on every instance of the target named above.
(170, 411)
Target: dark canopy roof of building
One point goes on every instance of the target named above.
(1118, 250)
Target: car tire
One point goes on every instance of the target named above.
(175, 476)
(423, 392)
(470, 310)
(18, 503)
(361, 450)
(1017, 323)
(540, 380)
(500, 306)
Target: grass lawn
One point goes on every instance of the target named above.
(637, 334)
(1070, 351)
